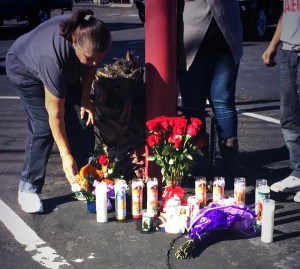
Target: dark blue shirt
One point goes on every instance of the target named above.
(48, 57)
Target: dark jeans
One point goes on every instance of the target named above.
(39, 137)
(212, 76)
(290, 106)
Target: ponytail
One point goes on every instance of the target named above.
(84, 27)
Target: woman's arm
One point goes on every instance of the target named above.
(270, 53)
(86, 105)
(56, 111)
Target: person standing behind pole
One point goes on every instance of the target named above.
(52, 69)
(288, 32)
(210, 40)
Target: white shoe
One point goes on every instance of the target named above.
(77, 191)
(30, 202)
(297, 197)
(289, 184)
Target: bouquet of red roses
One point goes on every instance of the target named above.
(174, 144)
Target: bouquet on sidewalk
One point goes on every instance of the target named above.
(174, 144)
(100, 168)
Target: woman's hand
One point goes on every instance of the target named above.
(87, 107)
(70, 168)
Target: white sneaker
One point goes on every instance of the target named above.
(289, 184)
(30, 202)
(77, 192)
(297, 197)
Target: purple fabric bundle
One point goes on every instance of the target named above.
(218, 216)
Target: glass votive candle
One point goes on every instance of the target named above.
(263, 194)
(200, 190)
(267, 227)
(218, 188)
(240, 190)
(259, 182)
(137, 198)
(152, 196)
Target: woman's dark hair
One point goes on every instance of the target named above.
(84, 27)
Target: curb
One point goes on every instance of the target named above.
(104, 5)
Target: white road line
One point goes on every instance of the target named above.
(37, 247)
(253, 115)
(9, 97)
(261, 117)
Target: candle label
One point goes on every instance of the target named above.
(137, 198)
(152, 196)
(200, 190)
(147, 222)
(218, 190)
(120, 203)
(263, 194)
(239, 192)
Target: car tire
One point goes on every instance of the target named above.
(260, 23)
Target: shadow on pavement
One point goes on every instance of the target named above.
(52, 203)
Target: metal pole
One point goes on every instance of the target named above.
(160, 58)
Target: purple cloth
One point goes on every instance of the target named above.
(110, 193)
(216, 216)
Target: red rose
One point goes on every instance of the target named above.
(194, 127)
(164, 123)
(179, 125)
(191, 130)
(103, 159)
(196, 123)
(177, 140)
(153, 125)
(153, 140)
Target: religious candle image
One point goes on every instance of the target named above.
(218, 188)
(240, 190)
(200, 190)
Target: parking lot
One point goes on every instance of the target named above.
(67, 236)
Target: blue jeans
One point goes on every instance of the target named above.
(39, 137)
(290, 106)
(212, 76)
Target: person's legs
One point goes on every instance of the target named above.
(223, 87)
(290, 118)
(81, 138)
(39, 139)
(223, 95)
(194, 86)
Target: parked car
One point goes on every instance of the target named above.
(140, 5)
(34, 11)
(257, 15)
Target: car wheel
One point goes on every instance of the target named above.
(261, 23)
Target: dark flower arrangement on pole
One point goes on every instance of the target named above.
(174, 145)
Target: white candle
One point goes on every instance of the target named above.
(267, 221)
(101, 202)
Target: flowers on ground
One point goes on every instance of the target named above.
(100, 168)
(174, 143)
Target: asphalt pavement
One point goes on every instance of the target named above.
(68, 236)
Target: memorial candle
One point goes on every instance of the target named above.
(101, 202)
(268, 221)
